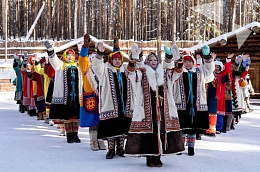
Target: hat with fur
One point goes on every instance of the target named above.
(149, 56)
(188, 56)
(219, 63)
(114, 55)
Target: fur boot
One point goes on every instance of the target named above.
(120, 146)
(111, 148)
(93, 140)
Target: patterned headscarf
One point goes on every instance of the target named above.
(148, 58)
(114, 55)
(66, 53)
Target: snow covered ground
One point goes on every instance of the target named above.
(30, 145)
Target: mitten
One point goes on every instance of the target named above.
(116, 44)
(246, 62)
(175, 52)
(49, 45)
(238, 59)
(206, 52)
(79, 45)
(135, 51)
(25, 56)
(168, 52)
(25, 59)
(86, 41)
(16, 56)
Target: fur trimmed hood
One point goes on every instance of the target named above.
(155, 77)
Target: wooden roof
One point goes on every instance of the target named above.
(251, 44)
(250, 34)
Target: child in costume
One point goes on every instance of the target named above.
(190, 96)
(115, 99)
(216, 95)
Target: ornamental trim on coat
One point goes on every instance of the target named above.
(65, 79)
(128, 111)
(112, 113)
(63, 100)
(147, 124)
(182, 105)
(200, 107)
(18, 95)
(170, 124)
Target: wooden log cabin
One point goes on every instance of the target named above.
(245, 40)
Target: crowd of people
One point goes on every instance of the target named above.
(142, 108)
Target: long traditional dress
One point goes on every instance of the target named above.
(19, 84)
(40, 90)
(28, 93)
(216, 98)
(238, 75)
(228, 118)
(115, 99)
(155, 129)
(67, 90)
(190, 96)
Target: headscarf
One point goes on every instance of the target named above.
(219, 63)
(66, 53)
(114, 55)
(187, 56)
(148, 59)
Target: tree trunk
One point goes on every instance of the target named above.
(111, 21)
(69, 20)
(232, 15)
(100, 20)
(76, 20)
(80, 18)
(174, 20)
(188, 15)
(159, 32)
(197, 18)
(105, 21)
(3, 18)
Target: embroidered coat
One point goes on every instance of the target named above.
(64, 104)
(28, 99)
(19, 84)
(149, 79)
(203, 72)
(108, 105)
(238, 95)
(115, 106)
(40, 71)
(200, 120)
(39, 90)
(155, 128)
(60, 91)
